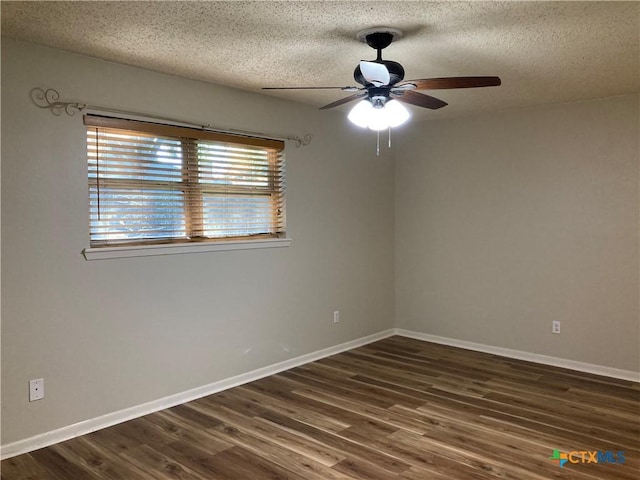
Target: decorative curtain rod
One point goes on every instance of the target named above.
(50, 99)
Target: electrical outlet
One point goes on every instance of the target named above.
(36, 389)
(555, 327)
(336, 316)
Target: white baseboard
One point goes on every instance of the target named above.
(520, 355)
(82, 428)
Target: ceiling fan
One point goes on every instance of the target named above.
(383, 82)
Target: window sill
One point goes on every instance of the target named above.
(104, 253)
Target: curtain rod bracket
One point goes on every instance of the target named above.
(50, 99)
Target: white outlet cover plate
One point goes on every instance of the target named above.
(36, 389)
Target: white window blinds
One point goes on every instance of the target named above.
(151, 183)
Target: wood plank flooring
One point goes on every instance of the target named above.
(394, 409)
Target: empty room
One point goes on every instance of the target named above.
(314, 240)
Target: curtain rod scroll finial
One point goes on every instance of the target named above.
(302, 142)
(50, 99)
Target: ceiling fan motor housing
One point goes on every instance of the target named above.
(396, 72)
(380, 38)
(378, 96)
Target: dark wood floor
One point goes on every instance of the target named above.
(395, 409)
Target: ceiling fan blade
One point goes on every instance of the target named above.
(344, 100)
(453, 82)
(375, 73)
(419, 99)
(345, 89)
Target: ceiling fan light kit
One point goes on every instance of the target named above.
(377, 115)
(384, 90)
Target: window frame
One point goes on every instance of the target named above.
(195, 189)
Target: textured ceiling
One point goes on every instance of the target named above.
(545, 52)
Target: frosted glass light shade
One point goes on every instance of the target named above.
(359, 115)
(364, 115)
(396, 113)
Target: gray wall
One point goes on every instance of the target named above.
(111, 334)
(503, 223)
(509, 221)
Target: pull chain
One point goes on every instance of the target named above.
(378, 141)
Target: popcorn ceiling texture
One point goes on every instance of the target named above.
(545, 52)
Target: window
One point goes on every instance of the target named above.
(152, 183)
